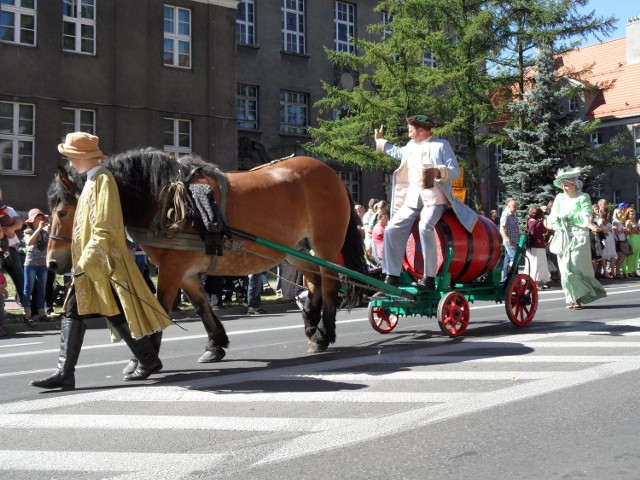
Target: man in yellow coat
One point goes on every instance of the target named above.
(106, 280)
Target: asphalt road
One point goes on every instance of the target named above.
(558, 399)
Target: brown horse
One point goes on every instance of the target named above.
(299, 202)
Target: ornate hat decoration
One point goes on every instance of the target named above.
(568, 175)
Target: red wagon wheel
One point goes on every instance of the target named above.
(521, 301)
(381, 319)
(453, 314)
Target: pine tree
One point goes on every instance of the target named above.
(552, 137)
(397, 79)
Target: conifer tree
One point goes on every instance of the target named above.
(553, 136)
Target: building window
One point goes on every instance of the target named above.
(79, 26)
(501, 198)
(574, 104)
(497, 155)
(247, 107)
(344, 19)
(17, 137)
(78, 120)
(293, 112)
(617, 197)
(352, 182)
(596, 138)
(18, 21)
(429, 60)
(597, 192)
(177, 37)
(246, 22)
(293, 26)
(177, 136)
(636, 137)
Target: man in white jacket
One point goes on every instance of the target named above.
(422, 188)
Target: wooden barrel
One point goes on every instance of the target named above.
(474, 254)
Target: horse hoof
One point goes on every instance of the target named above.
(315, 348)
(211, 357)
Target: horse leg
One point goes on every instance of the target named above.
(215, 330)
(330, 297)
(312, 314)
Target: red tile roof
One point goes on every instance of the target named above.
(610, 66)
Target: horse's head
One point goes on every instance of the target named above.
(63, 199)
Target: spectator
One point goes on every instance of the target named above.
(597, 239)
(422, 188)
(495, 218)
(35, 265)
(619, 219)
(609, 255)
(570, 217)
(510, 231)
(359, 209)
(4, 294)
(11, 224)
(378, 234)
(254, 291)
(537, 253)
(630, 267)
(366, 218)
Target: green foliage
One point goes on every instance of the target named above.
(552, 137)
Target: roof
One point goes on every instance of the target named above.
(619, 98)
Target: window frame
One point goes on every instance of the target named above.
(350, 23)
(177, 38)
(175, 148)
(246, 27)
(286, 126)
(243, 99)
(351, 180)
(636, 139)
(294, 41)
(78, 124)
(79, 22)
(19, 12)
(15, 137)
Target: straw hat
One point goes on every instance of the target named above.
(568, 175)
(33, 213)
(80, 145)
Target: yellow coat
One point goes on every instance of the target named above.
(99, 249)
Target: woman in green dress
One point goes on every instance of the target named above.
(570, 217)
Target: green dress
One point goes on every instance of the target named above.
(569, 218)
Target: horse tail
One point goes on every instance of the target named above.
(353, 256)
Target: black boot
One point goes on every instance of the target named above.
(156, 340)
(144, 350)
(392, 280)
(426, 283)
(71, 337)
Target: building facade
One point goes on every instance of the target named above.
(137, 74)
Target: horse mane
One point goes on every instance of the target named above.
(57, 193)
(141, 174)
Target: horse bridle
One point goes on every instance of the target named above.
(60, 238)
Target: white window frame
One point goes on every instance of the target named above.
(293, 36)
(617, 197)
(294, 112)
(80, 123)
(351, 180)
(498, 155)
(175, 38)
(175, 146)
(596, 138)
(501, 198)
(386, 21)
(636, 138)
(80, 23)
(247, 106)
(246, 22)
(19, 12)
(344, 21)
(18, 136)
(574, 104)
(428, 60)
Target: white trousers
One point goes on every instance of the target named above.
(397, 233)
